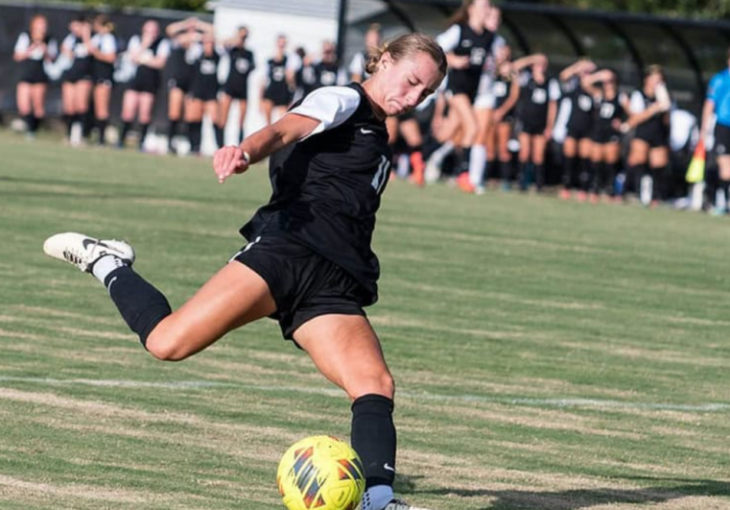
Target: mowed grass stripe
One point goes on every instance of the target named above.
(527, 337)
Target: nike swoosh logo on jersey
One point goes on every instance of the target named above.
(366, 131)
(388, 468)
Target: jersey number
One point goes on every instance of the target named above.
(607, 110)
(539, 96)
(381, 176)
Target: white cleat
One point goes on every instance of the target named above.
(398, 504)
(83, 251)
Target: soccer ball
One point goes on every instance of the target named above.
(321, 473)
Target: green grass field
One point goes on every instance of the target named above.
(548, 355)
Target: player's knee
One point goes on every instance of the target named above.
(382, 384)
(166, 346)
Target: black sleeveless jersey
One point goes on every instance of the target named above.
(82, 61)
(501, 89)
(277, 72)
(104, 71)
(206, 72)
(326, 189)
(32, 69)
(534, 99)
(306, 79)
(608, 110)
(146, 73)
(581, 110)
(242, 63)
(177, 65)
(326, 74)
(477, 47)
(653, 126)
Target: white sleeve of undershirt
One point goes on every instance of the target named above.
(331, 106)
(22, 43)
(357, 65)
(637, 104)
(450, 39)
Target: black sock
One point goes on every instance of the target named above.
(523, 177)
(101, 126)
(633, 179)
(241, 136)
(539, 176)
(219, 136)
(142, 306)
(465, 159)
(374, 439)
(725, 187)
(87, 124)
(569, 165)
(171, 130)
(143, 133)
(505, 171)
(657, 177)
(598, 176)
(69, 120)
(585, 173)
(194, 134)
(126, 126)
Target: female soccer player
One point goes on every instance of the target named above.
(149, 53)
(276, 91)
(308, 263)
(649, 113)
(204, 92)
(76, 81)
(506, 91)
(103, 48)
(536, 111)
(236, 87)
(182, 35)
(611, 108)
(467, 42)
(32, 50)
(577, 146)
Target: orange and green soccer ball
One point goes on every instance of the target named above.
(321, 473)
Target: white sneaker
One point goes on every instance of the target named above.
(83, 251)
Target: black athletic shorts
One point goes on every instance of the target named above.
(304, 284)
(654, 136)
(179, 82)
(534, 127)
(278, 94)
(722, 140)
(603, 135)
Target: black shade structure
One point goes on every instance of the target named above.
(690, 51)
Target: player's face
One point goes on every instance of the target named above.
(38, 28)
(479, 11)
(150, 29)
(407, 82)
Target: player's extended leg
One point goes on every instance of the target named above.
(233, 297)
(347, 351)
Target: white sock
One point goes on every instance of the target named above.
(106, 265)
(376, 497)
(404, 166)
(438, 156)
(477, 164)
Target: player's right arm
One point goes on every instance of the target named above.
(289, 129)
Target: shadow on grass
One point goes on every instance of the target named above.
(671, 489)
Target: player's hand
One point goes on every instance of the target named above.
(459, 61)
(229, 160)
